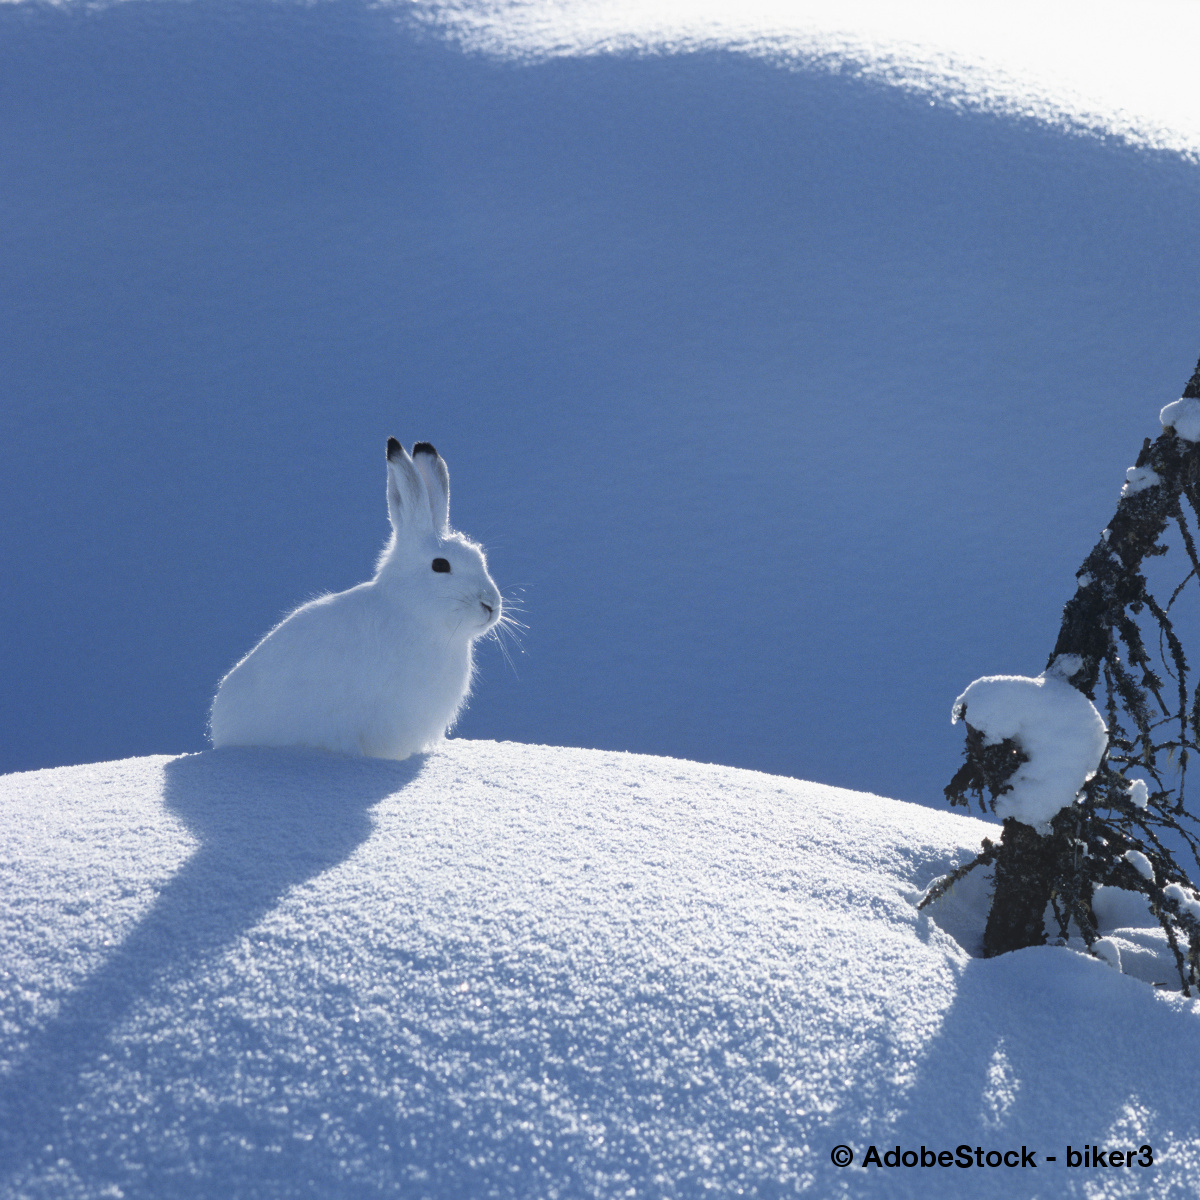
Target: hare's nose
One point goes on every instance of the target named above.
(488, 607)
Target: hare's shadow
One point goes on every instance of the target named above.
(265, 822)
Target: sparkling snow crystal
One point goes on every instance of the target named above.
(1056, 726)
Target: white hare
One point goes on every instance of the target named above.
(382, 669)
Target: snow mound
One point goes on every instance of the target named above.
(506, 970)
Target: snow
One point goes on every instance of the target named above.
(1116, 908)
(1187, 902)
(1139, 793)
(1067, 666)
(1138, 479)
(1140, 863)
(1108, 951)
(633, 268)
(1183, 416)
(525, 971)
(1056, 726)
(1113, 68)
(760, 376)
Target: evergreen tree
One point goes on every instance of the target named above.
(1121, 831)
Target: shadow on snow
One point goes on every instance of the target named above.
(266, 822)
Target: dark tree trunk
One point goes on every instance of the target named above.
(1024, 880)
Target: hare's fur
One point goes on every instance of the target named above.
(384, 668)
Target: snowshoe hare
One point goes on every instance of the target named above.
(382, 669)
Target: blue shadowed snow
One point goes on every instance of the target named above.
(792, 403)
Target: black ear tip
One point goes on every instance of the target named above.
(424, 448)
(394, 449)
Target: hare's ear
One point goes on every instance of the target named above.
(436, 475)
(408, 501)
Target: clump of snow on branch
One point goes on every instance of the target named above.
(1058, 729)
(1139, 794)
(1140, 863)
(1187, 902)
(1066, 666)
(1184, 417)
(1138, 479)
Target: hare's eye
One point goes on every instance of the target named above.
(441, 566)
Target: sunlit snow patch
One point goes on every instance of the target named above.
(1112, 68)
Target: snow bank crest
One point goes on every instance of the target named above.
(1057, 727)
(1117, 69)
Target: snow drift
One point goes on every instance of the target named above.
(505, 970)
